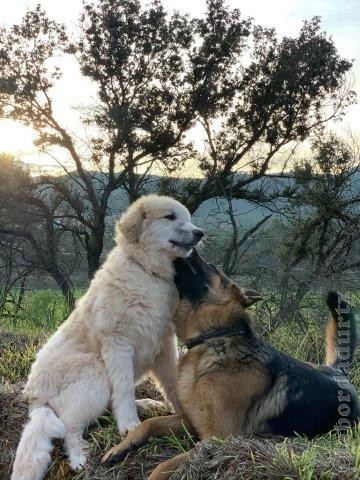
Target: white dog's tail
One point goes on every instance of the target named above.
(33, 453)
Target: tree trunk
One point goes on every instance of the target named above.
(290, 302)
(94, 247)
(64, 284)
(93, 254)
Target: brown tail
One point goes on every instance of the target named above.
(340, 333)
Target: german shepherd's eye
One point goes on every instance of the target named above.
(170, 217)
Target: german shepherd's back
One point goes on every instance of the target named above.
(317, 399)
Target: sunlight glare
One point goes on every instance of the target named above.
(16, 138)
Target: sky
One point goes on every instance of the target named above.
(340, 19)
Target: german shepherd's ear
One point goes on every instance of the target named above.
(246, 296)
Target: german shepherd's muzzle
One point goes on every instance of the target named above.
(230, 381)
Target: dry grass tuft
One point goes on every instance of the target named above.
(13, 414)
(263, 458)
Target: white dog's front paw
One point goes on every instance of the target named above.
(126, 427)
(77, 461)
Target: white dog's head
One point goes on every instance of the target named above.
(160, 223)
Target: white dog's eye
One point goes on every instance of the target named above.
(170, 217)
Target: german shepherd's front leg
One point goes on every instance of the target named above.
(166, 469)
(152, 427)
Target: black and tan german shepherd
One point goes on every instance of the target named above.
(230, 381)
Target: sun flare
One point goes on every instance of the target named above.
(16, 138)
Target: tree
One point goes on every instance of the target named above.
(322, 227)
(229, 240)
(28, 216)
(290, 89)
(135, 58)
(157, 76)
(13, 278)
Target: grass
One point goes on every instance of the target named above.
(41, 313)
(327, 457)
(15, 364)
(260, 458)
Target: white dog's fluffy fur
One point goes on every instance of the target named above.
(121, 328)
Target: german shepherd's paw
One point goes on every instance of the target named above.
(119, 452)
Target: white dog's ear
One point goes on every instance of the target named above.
(129, 224)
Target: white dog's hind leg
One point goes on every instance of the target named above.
(118, 358)
(79, 405)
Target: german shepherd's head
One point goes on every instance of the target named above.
(208, 298)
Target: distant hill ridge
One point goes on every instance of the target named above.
(210, 212)
(249, 212)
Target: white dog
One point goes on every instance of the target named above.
(120, 330)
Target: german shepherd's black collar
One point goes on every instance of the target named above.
(237, 329)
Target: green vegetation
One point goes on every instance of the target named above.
(15, 364)
(42, 311)
(40, 314)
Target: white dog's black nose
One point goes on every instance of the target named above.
(198, 234)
